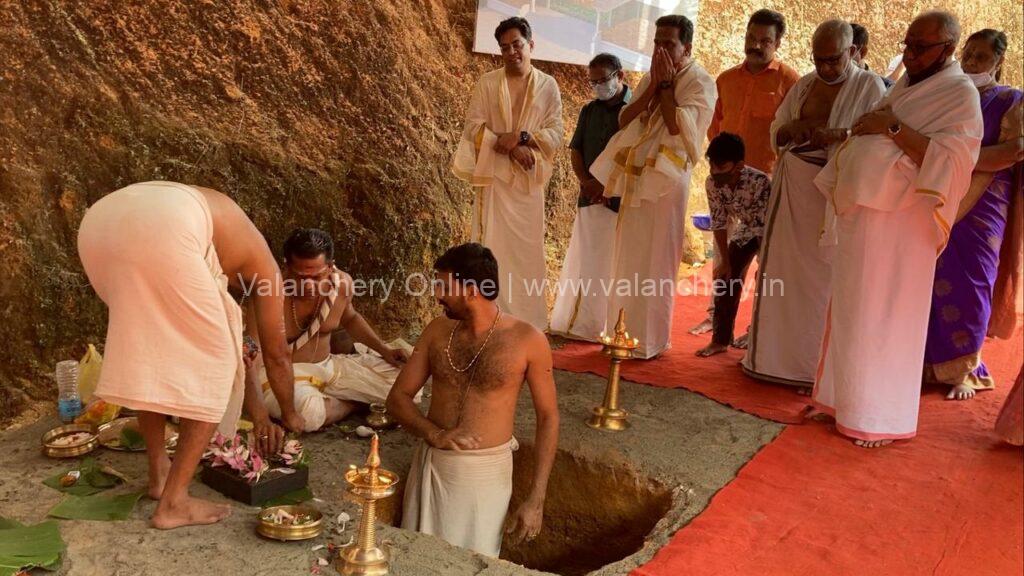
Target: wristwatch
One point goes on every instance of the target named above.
(894, 129)
(664, 85)
(524, 138)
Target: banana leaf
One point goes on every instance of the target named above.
(294, 497)
(92, 480)
(132, 439)
(23, 547)
(96, 507)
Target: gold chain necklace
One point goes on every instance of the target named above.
(448, 348)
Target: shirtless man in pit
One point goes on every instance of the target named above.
(478, 358)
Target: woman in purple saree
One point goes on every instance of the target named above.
(978, 273)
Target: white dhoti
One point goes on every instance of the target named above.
(508, 201)
(795, 276)
(174, 343)
(873, 348)
(581, 305)
(362, 377)
(650, 239)
(462, 496)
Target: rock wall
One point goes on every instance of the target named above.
(341, 114)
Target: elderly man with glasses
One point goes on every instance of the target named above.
(513, 130)
(896, 185)
(810, 126)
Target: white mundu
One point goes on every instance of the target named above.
(508, 206)
(893, 218)
(649, 169)
(795, 279)
(581, 306)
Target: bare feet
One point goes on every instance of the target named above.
(872, 443)
(158, 476)
(741, 342)
(711, 350)
(188, 511)
(960, 392)
(703, 328)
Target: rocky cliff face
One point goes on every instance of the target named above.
(341, 114)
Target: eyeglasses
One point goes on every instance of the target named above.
(602, 80)
(827, 61)
(917, 48)
(512, 47)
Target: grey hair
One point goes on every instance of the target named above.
(950, 24)
(839, 29)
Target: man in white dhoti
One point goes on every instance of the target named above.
(460, 483)
(161, 255)
(513, 130)
(896, 185)
(318, 304)
(581, 303)
(795, 280)
(648, 165)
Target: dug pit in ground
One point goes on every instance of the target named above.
(614, 499)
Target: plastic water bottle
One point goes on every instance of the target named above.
(69, 404)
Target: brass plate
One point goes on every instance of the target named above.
(73, 451)
(110, 434)
(287, 533)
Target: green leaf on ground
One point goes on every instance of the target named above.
(295, 497)
(29, 546)
(92, 480)
(96, 507)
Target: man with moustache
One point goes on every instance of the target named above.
(513, 130)
(460, 482)
(896, 186)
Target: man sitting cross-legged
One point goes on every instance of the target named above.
(460, 482)
(318, 303)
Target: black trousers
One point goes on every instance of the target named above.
(728, 290)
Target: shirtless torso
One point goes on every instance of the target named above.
(818, 106)
(517, 94)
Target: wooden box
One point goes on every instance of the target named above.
(271, 485)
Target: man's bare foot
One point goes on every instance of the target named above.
(703, 328)
(872, 443)
(712, 349)
(188, 511)
(960, 392)
(741, 342)
(158, 477)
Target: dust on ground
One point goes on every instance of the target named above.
(678, 439)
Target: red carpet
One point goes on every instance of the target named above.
(947, 502)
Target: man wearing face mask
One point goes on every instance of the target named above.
(750, 93)
(581, 306)
(896, 185)
(736, 193)
(647, 164)
(860, 42)
(796, 276)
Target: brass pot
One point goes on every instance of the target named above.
(74, 450)
(378, 419)
(286, 532)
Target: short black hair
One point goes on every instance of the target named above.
(681, 23)
(308, 243)
(514, 23)
(766, 17)
(726, 147)
(472, 264)
(860, 34)
(606, 60)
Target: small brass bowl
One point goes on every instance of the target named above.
(74, 450)
(285, 532)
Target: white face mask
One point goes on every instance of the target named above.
(838, 79)
(607, 90)
(981, 80)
